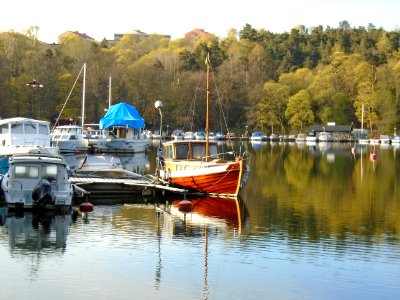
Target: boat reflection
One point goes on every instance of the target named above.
(137, 163)
(214, 212)
(33, 232)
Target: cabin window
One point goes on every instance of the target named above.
(30, 128)
(199, 150)
(168, 152)
(50, 172)
(17, 128)
(73, 137)
(26, 171)
(43, 129)
(4, 128)
(182, 151)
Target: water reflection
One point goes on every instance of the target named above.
(329, 191)
(35, 232)
(215, 212)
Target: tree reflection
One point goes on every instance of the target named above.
(308, 196)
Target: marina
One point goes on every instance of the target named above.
(337, 221)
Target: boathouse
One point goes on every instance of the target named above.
(338, 132)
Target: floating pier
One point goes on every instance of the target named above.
(121, 190)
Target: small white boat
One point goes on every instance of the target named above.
(177, 134)
(189, 135)
(311, 137)
(69, 139)
(92, 136)
(384, 139)
(200, 135)
(37, 181)
(396, 139)
(324, 136)
(220, 136)
(103, 166)
(301, 138)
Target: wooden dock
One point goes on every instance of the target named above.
(122, 190)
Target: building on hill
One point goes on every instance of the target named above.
(137, 32)
(62, 37)
(195, 33)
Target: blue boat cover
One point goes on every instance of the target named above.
(121, 114)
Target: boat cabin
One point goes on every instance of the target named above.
(24, 131)
(67, 132)
(189, 150)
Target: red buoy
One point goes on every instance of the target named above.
(185, 206)
(373, 157)
(86, 207)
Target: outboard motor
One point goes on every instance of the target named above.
(41, 194)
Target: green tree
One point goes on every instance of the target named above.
(298, 112)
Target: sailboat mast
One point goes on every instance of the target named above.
(83, 95)
(208, 107)
(109, 92)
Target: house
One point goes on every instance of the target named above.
(194, 34)
(68, 34)
(137, 33)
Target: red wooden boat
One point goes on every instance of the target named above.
(197, 166)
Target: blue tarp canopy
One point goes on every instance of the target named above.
(122, 114)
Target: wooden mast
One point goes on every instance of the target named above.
(208, 63)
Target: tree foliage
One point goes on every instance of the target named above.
(262, 80)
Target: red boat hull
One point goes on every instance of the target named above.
(226, 182)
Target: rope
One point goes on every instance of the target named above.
(220, 105)
(65, 103)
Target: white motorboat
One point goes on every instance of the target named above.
(324, 136)
(301, 138)
(103, 166)
(396, 139)
(37, 181)
(200, 135)
(69, 139)
(384, 139)
(20, 135)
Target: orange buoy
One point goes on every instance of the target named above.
(86, 207)
(185, 206)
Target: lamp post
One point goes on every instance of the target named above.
(158, 104)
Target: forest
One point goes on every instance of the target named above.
(271, 82)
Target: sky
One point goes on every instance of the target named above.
(102, 18)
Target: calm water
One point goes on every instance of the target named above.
(313, 222)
